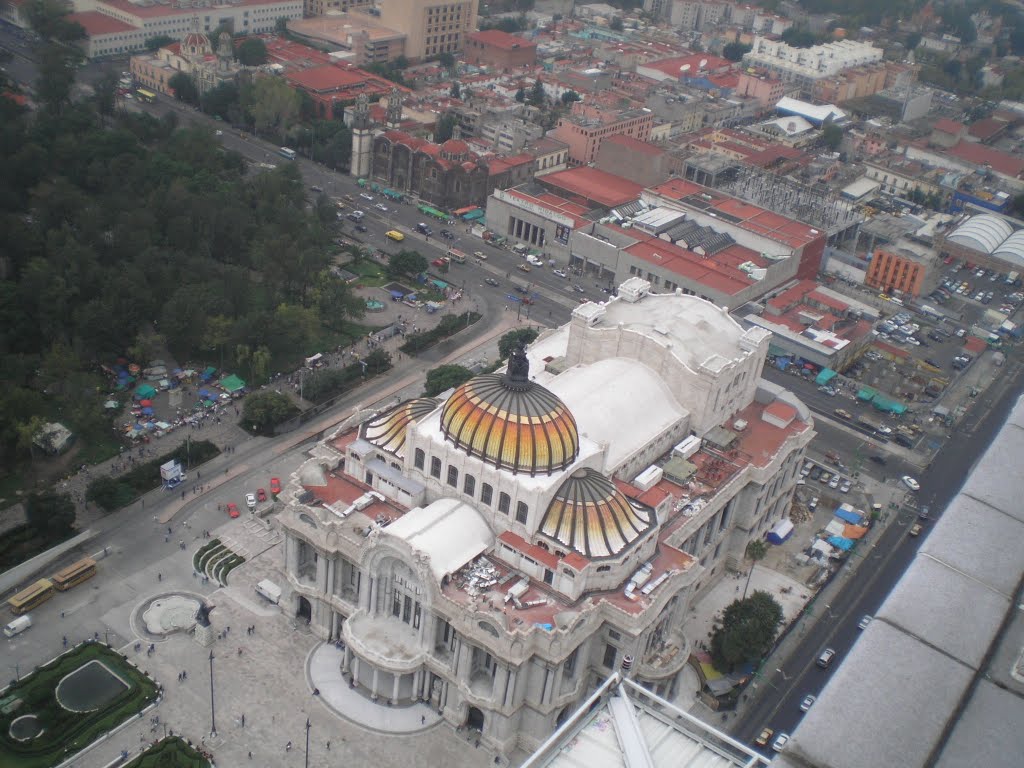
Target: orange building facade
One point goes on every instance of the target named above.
(892, 271)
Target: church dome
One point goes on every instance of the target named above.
(196, 42)
(511, 422)
(590, 515)
(387, 430)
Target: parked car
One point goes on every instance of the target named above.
(845, 486)
(808, 702)
(825, 477)
(560, 272)
(275, 486)
(250, 500)
(915, 529)
(863, 623)
(764, 737)
(813, 503)
(911, 483)
(834, 482)
(261, 495)
(780, 742)
(842, 414)
(825, 658)
(233, 509)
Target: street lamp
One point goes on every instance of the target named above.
(307, 742)
(213, 719)
(784, 676)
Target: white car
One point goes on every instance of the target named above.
(845, 486)
(884, 430)
(250, 500)
(365, 196)
(808, 702)
(863, 624)
(780, 742)
(559, 272)
(911, 483)
(834, 482)
(381, 207)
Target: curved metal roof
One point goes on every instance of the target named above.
(590, 515)
(387, 430)
(1012, 248)
(982, 233)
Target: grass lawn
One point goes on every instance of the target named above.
(65, 732)
(170, 753)
(371, 274)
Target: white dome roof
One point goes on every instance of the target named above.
(982, 233)
(1012, 248)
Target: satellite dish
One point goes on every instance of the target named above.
(684, 68)
(703, 63)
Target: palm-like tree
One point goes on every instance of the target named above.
(756, 550)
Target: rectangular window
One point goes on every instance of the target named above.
(469, 485)
(610, 654)
(435, 467)
(522, 512)
(504, 503)
(453, 477)
(486, 494)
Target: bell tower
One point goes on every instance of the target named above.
(362, 138)
(394, 119)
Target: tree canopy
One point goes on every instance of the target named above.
(746, 631)
(513, 339)
(252, 52)
(735, 51)
(445, 377)
(406, 264)
(262, 411)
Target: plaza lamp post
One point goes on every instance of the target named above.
(307, 742)
(213, 719)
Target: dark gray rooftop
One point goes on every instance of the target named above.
(938, 677)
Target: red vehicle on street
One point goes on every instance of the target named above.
(233, 510)
(275, 486)
(261, 495)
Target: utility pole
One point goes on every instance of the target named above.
(213, 720)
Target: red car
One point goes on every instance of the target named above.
(275, 486)
(233, 510)
(261, 494)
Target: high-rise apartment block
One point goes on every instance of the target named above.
(431, 27)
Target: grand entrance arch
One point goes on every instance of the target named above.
(475, 719)
(304, 610)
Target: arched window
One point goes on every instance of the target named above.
(486, 494)
(504, 503)
(419, 459)
(469, 485)
(453, 477)
(522, 512)
(435, 467)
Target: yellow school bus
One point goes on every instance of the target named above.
(73, 575)
(32, 596)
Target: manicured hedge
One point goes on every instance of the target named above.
(67, 732)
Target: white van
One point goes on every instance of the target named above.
(18, 626)
(269, 590)
(534, 261)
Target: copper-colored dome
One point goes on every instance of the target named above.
(511, 422)
(387, 430)
(590, 515)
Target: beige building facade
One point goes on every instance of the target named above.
(431, 28)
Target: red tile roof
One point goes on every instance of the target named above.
(952, 127)
(95, 23)
(593, 185)
(503, 40)
(987, 128)
(532, 551)
(979, 154)
(634, 145)
(674, 66)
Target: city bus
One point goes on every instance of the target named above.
(288, 154)
(456, 255)
(73, 575)
(144, 95)
(32, 596)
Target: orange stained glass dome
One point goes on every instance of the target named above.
(590, 515)
(511, 422)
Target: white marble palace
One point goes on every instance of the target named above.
(498, 551)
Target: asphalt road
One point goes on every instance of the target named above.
(783, 684)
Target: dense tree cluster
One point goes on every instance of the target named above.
(746, 632)
(125, 235)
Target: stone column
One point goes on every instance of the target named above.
(347, 663)
(331, 574)
(373, 689)
(321, 573)
(355, 670)
(510, 687)
(394, 688)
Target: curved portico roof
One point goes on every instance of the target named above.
(1012, 249)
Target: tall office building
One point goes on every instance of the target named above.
(431, 27)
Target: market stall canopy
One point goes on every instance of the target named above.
(232, 383)
(145, 391)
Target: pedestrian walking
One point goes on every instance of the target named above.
(243, 719)
(250, 755)
(159, 577)
(288, 747)
(328, 746)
